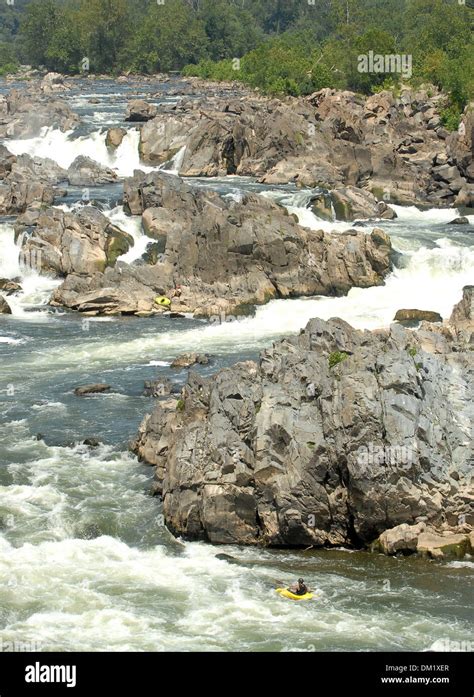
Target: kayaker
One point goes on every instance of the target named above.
(299, 588)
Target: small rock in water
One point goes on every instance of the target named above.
(189, 359)
(9, 287)
(91, 389)
(91, 442)
(463, 220)
(157, 388)
(417, 316)
(5, 308)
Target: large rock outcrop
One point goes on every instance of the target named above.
(60, 243)
(394, 147)
(24, 113)
(333, 437)
(227, 255)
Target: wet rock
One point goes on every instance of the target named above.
(24, 113)
(463, 220)
(139, 110)
(53, 82)
(114, 137)
(441, 546)
(402, 538)
(64, 243)
(92, 442)
(9, 287)
(417, 316)
(189, 359)
(5, 308)
(98, 388)
(86, 172)
(157, 388)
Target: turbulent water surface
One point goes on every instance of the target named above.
(85, 561)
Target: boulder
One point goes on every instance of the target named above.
(157, 388)
(24, 113)
(139, 110)
(99, 388)
(114, 138)
(5, 308)
(9, 287)
(351, 203)
(65, 243)
(402, 538)
(417, 316)
(463, 220)
(53, 82)
(86, 172)
(189, 359)
(441, 546)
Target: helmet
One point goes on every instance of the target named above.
(300, 580)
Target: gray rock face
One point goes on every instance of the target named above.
(5, 308)
(23, 113)
(394, 148)
(65, 243)
(228, 255)
(86, 172)
(333, 437)
(26, 181)
(139, 110)
(115, 137)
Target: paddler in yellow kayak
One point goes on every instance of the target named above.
(298, 591)
(299, 588)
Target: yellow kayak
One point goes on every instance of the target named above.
(285, 593)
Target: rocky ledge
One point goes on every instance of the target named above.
(395, 147)
(334, 437)
(224, 255)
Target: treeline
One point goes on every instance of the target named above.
(280, 46)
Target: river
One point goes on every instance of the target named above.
(85, 561)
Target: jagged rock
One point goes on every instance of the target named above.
(139, 110)
(463, 313)
(53, 82)
(333, 437)
(114, 137)
(417, 316)
(189, 359)
(86, 172)
(5, 308)
(157, 388)
(24, 113)
(99, 388)
(9, 287)
(66, 243)
(329, 139)
(229, 255)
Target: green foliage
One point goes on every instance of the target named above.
(337, 357)
(180, 405)
(285, 46)
(412, 351)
